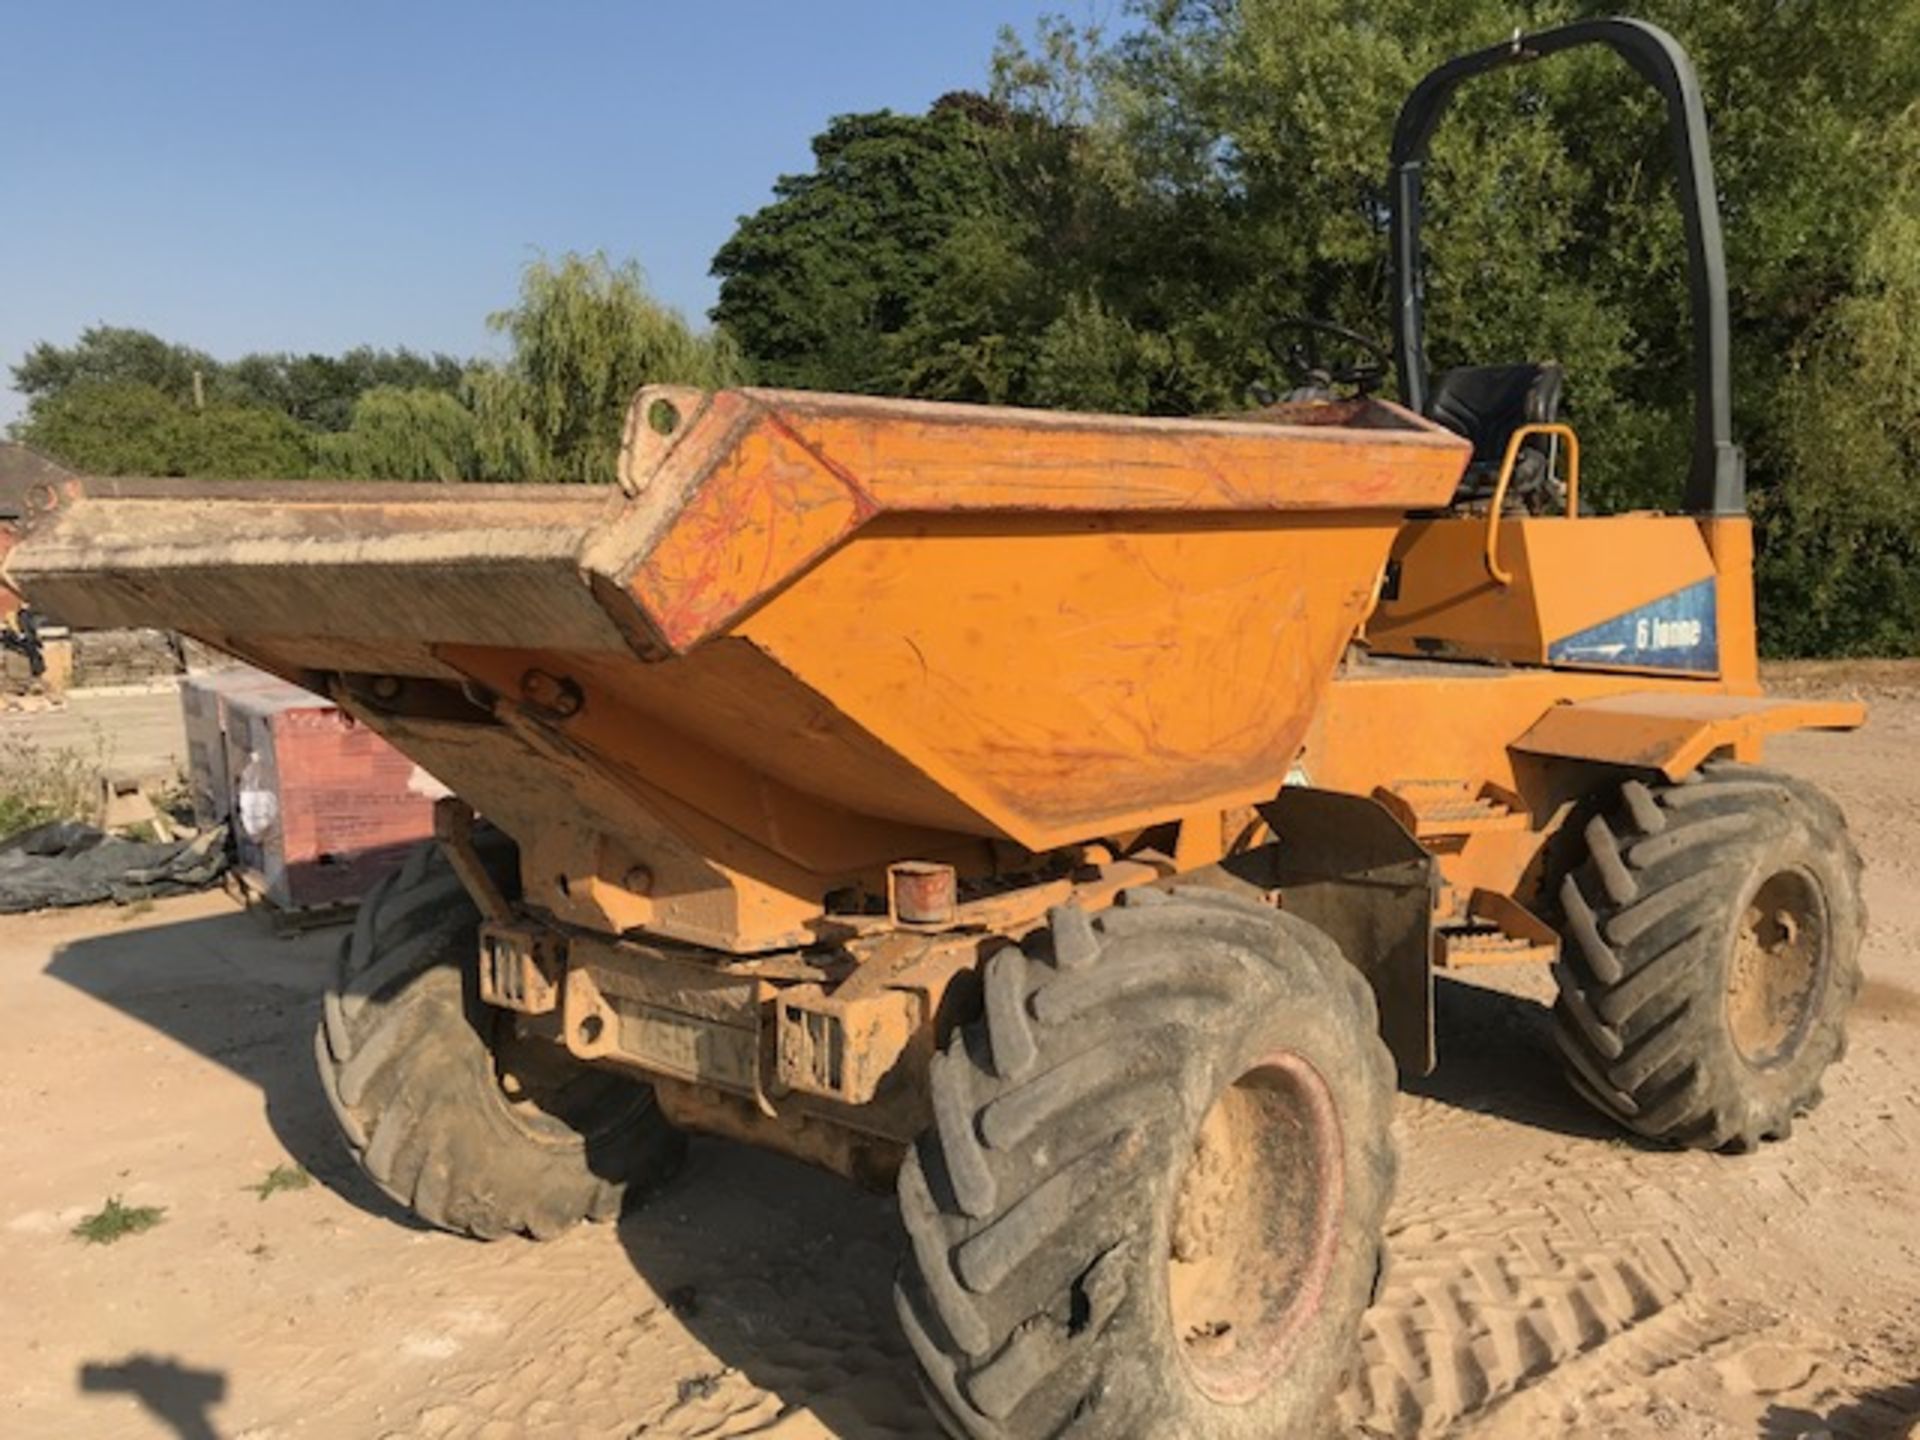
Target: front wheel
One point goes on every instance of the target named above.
(1712, 949)
(450, 1114)
(1151, 1203)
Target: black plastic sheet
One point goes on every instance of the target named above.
(69, 863)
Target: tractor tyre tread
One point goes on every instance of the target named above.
(1028, 1202)
(409, 1071)
(1648, 921)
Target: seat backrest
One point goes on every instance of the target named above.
(1487, 403)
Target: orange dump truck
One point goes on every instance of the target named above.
(1058, 817)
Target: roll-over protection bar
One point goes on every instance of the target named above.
(1716, 481)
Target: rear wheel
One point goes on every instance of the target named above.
(453, 1115)
(1713, 938)
(1151, 1203)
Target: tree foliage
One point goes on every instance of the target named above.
(403, 434)
(110, 355)
(324, 391)
(316, 391)
(1841, 570)
(823, 286)
(586, 335)
(134, 428)
(127, 402)
(1157, 200)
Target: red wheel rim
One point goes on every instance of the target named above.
(1255, 1227)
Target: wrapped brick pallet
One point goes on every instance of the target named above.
(321, 808)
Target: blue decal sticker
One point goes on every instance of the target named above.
(1675, 632)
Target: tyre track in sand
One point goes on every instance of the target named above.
(1600, 1264)
(1547, 1277)
(1590, 1277)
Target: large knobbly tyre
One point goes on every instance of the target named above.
(1151, 1203)
(1712, 949)
(473, 1130)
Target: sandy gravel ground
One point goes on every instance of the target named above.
(1550, 1278)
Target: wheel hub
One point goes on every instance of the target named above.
(1256, 1223)
(1779, 961)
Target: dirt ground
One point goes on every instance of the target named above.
(1549, 1276)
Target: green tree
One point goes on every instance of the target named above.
(1090, 358)
(242, 442)
(1838, 573)
(322, 391)
(106, 428)
(111, 355)
(818, 286)
(1555, 234)
(586, 335)
(1158, 200)
(403, 434)
(316, 391)
(136, 429)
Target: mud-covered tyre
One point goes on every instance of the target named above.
(1151, 1203)
(1712, 941)
(473, 1130)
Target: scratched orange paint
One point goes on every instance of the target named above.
(767, 482)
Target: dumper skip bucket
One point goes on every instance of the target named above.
(812, 627)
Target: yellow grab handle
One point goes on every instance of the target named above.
(1501, 575)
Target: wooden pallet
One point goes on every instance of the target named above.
(249, 888)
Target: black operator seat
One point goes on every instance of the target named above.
(1486, 404)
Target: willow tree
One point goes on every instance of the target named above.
(399, 433)
(586, 334)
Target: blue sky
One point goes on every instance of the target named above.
(310, 177)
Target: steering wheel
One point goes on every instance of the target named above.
(1306, 356)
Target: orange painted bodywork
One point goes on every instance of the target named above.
(809, 636)
(1544, 737)
(756, 486)
(1462, 688)
(1568, 574)
(1675, 732)
(1060, 681)
(1729, 541)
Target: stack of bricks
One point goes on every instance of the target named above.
(321, 807)
(203, 708)
(103, 658)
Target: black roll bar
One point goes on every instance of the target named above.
(1716, 481)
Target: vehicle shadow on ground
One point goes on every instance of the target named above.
(176, 1395)
(785, 1274)
(227, 988)
(1891, 1412)
(1497, 1058)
